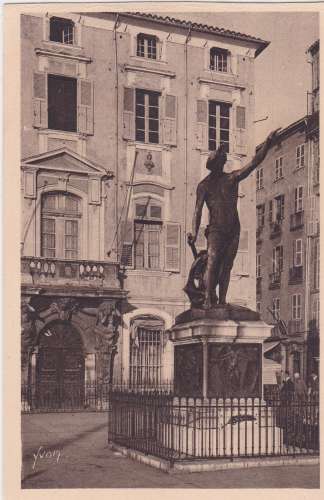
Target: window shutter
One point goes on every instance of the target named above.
(85, 107)
(172, 247)
(202, 125)
(129, 114)
(169, 121)
(240, 145)
(40, 100)
(127, 239)
(158, 49)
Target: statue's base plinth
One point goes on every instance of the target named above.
(219, 352)
(219, 312)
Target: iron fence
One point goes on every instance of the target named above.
(178, 428)
(91, 396)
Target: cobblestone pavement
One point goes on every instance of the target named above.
(72, 452)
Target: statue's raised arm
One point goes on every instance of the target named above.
(258, 158)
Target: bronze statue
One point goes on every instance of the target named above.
(219, 190)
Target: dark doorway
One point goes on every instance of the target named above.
(62, 103)
(60, 368)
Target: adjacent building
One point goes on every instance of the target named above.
(287, 239)
(119, 112)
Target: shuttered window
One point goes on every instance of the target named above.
(300, 156)
(277, 259)
(259, 178)
(62, 103)
(147, 116)
(298, 252)
(279, 168)
(147, 245)
(296, 306)
(298, 199)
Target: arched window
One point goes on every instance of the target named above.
(146, 348)
(60, 225)
(219, 60)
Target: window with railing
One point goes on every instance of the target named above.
(60, 225)
(146, 350)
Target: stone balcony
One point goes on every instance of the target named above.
(84, 274)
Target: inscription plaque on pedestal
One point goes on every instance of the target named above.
(188, 370)
(234, 370)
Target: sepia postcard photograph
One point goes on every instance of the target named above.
(162, 209)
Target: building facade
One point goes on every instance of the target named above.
(119, 113)
(287, 238)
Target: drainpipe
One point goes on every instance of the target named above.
(308, 253)
(186, 145)
(116, 132)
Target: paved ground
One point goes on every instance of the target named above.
(70, 451)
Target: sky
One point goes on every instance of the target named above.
(282, 74)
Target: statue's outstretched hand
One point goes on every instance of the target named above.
(263, 151)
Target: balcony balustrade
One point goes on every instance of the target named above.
(89, 273)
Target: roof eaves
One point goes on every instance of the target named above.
(202, 28)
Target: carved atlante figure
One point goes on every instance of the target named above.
(219, 190)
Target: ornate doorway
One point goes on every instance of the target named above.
(60, 367)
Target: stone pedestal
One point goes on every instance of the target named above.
(219, 353)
